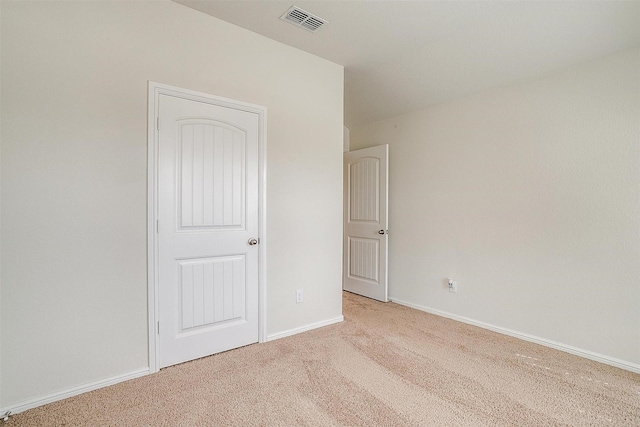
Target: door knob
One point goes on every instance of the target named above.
(253, 241)
(380, 231)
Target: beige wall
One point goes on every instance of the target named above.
(528, 196)
(74, 175)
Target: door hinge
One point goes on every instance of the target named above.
(158, 122)
(157, 225)
(158, 328)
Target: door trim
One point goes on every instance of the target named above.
(155, 90)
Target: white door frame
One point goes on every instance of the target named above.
(155, 90)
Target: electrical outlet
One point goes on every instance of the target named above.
(298, 296)
(453, 286)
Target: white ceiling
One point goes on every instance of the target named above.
(401, 56)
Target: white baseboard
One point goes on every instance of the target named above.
(73, 391)
(633, 367)
(306, 328)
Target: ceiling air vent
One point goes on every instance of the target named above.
(303, 19)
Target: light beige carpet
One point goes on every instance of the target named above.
(386, 365)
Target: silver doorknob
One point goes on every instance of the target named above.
(252, 241)
(380, 231)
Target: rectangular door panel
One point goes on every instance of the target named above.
(211, 291)
(364, 259)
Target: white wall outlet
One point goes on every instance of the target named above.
(453, 286)
(298, 296)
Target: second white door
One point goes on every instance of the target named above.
(365, 222)
(207, 229)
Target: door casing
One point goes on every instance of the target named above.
(155, 90)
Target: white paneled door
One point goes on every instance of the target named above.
(366, 185)
(207, 229)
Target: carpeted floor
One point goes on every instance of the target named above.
(385, 365)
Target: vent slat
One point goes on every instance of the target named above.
(303, 19)
(312, 23)
(297, 16)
